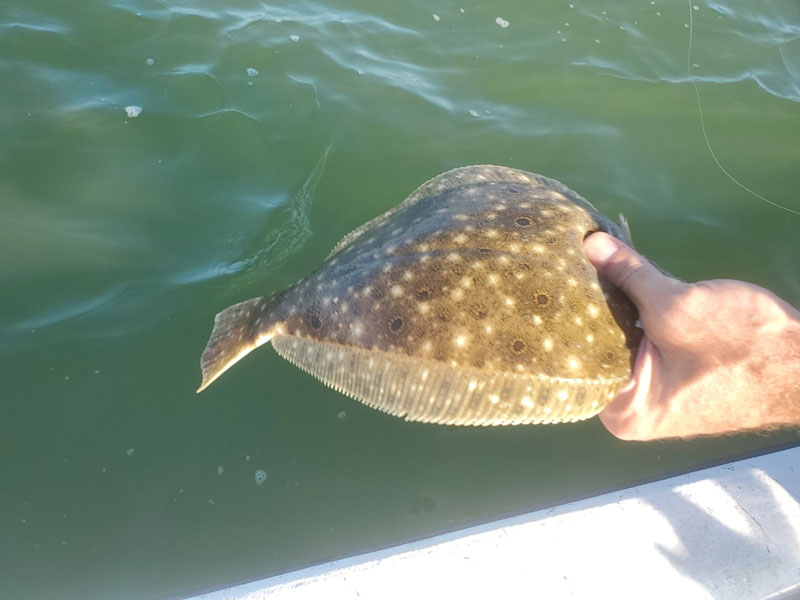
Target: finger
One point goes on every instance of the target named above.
(628, 417)
(644, 284)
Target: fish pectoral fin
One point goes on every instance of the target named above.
(235, 334)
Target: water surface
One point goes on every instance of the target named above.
(265, 133)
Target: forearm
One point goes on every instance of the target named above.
(782, 376)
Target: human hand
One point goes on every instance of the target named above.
(717, 356)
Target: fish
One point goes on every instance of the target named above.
(469, 303)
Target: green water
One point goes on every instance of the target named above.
(121, 237)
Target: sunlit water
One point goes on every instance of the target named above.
(162, 160)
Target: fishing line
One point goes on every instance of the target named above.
(703, 124)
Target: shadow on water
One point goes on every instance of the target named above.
(280, 244)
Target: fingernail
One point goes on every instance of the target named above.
(599, 247)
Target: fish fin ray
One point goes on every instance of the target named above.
(233, 337)
(434, 392)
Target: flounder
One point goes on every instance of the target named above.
(470, 303)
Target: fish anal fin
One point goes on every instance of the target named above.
(435, 392)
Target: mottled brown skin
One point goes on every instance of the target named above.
(470, 303)
(488, 274)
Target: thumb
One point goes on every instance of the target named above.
(643, 283)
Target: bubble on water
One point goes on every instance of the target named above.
(502, 22)
(461, 10)
(66, 377)
(220, 470)
(294, 38)
(247, 457)
(133, 111)
(150, 62)
(23, 521)
(658, 14)
(211, 501)
(572, 6)
(130, 451)
(249, 83)
(695, 7)
(97, 371)
(563, 39)
(436, 17)
(597, 41)
(341, 414)
(261, 476)
(474, 113)
(252, 72)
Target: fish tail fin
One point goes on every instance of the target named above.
(236, 332)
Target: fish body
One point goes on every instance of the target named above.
(470, 303)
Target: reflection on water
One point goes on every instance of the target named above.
(266, 133)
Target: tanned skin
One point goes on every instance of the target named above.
(719, 356)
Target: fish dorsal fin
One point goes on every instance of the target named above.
(456, 178)
(433, 392)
